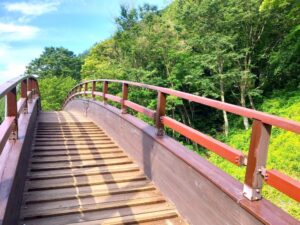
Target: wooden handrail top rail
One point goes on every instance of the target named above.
(9, 85)
(277, 121)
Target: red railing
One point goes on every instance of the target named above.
(256, 171)
(13, 108)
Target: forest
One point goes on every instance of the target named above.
(242, 52)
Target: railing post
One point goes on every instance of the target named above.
(124, 98)
(80, 89)
(105, 91)
(85, 89)
(160, 111)
(256, 161)
(24, 94)
(12, 111)
(93, 90)
(30, 86)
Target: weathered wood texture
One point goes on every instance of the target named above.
(80, 177)
(201, 192)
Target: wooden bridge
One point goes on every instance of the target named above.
(94, 163)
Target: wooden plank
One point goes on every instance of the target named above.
(163, 217)
(28, 213)
(71, 132)
(79, 138)
(73, 142)
(62, 124)
(74, 147)
(71, 152)
(68, 129)
(99, 214)
(85, 191)
(83, 200)
(91, 163)
(75, 136)
(82, 172)
(84, 180)
(49, 159)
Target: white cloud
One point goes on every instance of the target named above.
(12, 32)
(32, 9)
(14, 60)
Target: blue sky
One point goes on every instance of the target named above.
(26, 27)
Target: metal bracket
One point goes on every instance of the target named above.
(160, 132)
(251, 194)
(13, 136)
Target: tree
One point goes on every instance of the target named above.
(58, 62)
(54, 90)
(102, 61)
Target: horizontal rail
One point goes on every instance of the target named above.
(283, 183)
(6, 128)
(21, 105)
(232, 155)
(113, 98)
(261, 131)
(141, 109)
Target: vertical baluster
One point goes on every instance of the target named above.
(11, 111)
(94, 90)
(85, 89)
(105, 91)
(33, 88)
(160, 111)
(24, 94)
(80, 89)
(124, 98)
(30, 90)
(257, 158)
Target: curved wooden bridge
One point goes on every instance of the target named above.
(94, 163)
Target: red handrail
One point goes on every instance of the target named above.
(261, 130)
(29, 89)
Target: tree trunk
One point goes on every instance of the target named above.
(226, 123)
(243, 102)
(251, 102)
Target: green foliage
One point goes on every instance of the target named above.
(58, 62)
(54, 90)
(2, 109)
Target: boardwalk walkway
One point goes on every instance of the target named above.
(79, 175)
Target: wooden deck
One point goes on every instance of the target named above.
(79, 175)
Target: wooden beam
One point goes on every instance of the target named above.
(94, 90)
(12, 111)
(160, 111)
(105, 90)
(257, 158)
(24, 94)
(124, 98)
